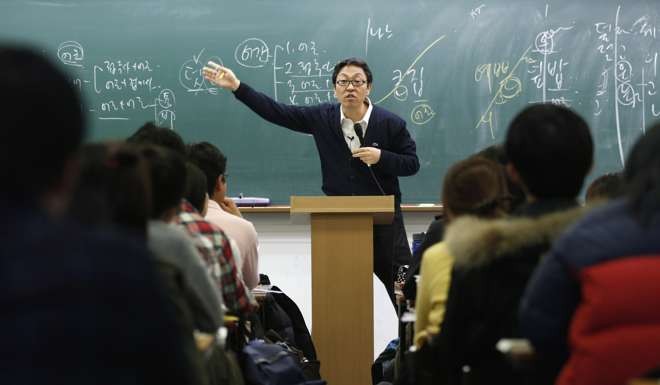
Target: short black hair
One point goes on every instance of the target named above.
(352, 61)
(149, 133)
(195, 191)
(551, 148)
(210, 160)
(642, 175)
(167, 170)
(42, 124)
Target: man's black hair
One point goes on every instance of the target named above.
(42, 125)
(210, 160)
(352, 61)
(167, 170)
(195, 191)
(551, 148)
(149, 133)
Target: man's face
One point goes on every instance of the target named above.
(351, 95)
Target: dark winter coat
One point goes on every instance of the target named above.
(493, 262)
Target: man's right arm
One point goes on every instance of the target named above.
(292, 117)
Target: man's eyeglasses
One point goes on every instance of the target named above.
(355, 83)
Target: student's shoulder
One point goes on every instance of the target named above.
(167, 235)
(607, 232)
(243, 224)
(229, 222)
(107, 254)
(438, 250)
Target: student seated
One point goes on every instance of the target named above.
(593, 302)
(222, 211)
(215, 247)
(550, 151)
(475, 186)
(79, 306)
(171, 244)
(212, 243)
(113, 192)
(435, 231)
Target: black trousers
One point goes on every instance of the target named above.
(391, 250)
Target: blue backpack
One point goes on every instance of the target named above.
(272, 364)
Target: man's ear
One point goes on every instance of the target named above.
(218, 186)
(219, 182)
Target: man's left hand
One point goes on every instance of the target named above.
(229, 206)
(369, 155)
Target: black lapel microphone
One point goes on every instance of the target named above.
(358, 131)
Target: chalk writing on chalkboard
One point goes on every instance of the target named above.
(509, 88)
(71, 53)
(301, 76)
(376, 32)
(547, 70)
(252, 53)
(632, 73)
(190, 74)
(124, 86)
(410, 84)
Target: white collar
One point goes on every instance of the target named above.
(364, 122)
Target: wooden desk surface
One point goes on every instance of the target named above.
(434, 208)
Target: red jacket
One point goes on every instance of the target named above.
(597, 291)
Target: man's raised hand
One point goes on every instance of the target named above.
(220, 76)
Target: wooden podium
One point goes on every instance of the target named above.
(342, 281)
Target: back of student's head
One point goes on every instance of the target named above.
(475, 186)
(149, 133)
(195, 191)
(167, 171)
(642, 175)
(210, 160)
(551, 148)
(41, 123)
(606, 186)
(113, 188)
(497, 154)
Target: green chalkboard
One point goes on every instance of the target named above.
(457, 71)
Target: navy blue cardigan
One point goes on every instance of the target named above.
(343, 174)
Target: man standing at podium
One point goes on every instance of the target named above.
(363, 148)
